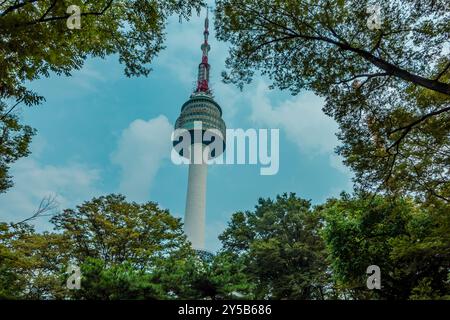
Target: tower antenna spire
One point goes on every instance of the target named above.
(204, 67)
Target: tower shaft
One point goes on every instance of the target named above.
(194, 220)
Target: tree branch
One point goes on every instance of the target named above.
(48, 203)
(65, 17)
(364, 75)
(48, 10)
(406, 129)
(3, 117)
(396, 71)
(442, 72)
(388, 67)
(17, 6)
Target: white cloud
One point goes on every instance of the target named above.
(301, 118)
(140, 152)
(71, 184)
(141, 149)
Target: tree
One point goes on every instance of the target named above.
(36, 41)
(281, 248)
(120, 247)
(284, 249)
(116, 231)
(408, 241)
(199, 276)
(387, 88)
(15, 139)
(128, 250)
(228, 273)
(31, 263)
(116, 282)
(10, 283)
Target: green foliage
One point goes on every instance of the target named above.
(284, 249)
(124, 250)
(30, 262)
(424, 291)
(228, 273)
(15, 139)
(115, 231)
(115, 282)
(409, 243)
(120, 247)
(36, 40)
(388, 89)
(10, 284)
(192, 276)
(281, 249)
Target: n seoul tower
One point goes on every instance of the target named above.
(200, 109)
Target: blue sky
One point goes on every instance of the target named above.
(100, 132)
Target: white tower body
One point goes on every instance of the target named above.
(195, 214)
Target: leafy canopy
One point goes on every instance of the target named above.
(36, 40)
(387, 88)
(14, 141)
(124, 250)
(409, 242)
(281, 248)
